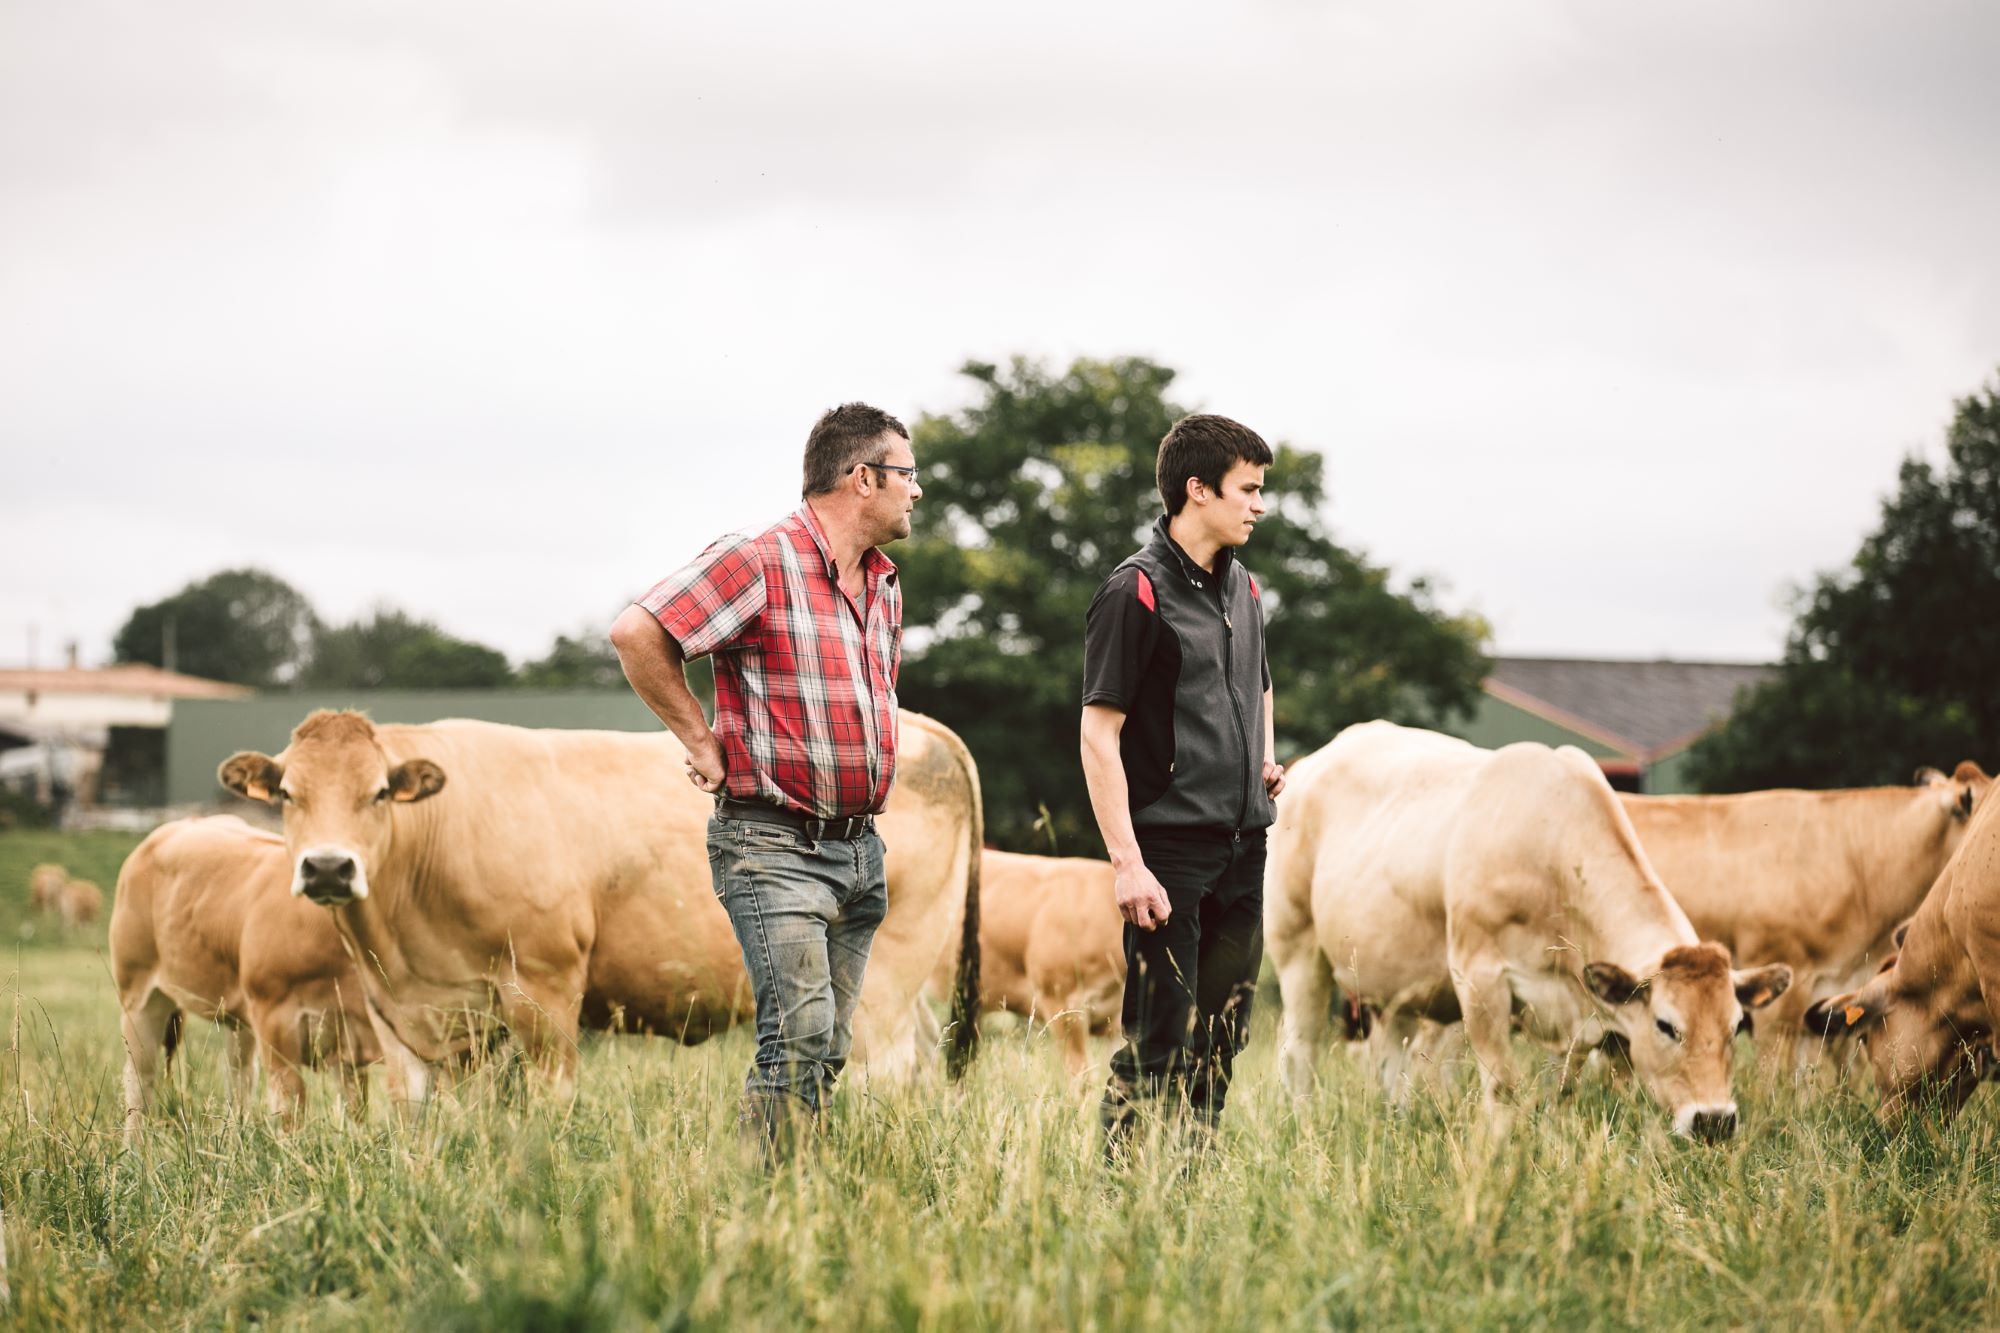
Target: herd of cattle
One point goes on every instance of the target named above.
(440, 888)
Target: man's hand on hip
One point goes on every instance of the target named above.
(1141, 900)
(705, 766)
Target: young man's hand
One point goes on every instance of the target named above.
(705, 766)
(1141, 900)
(1274, 778)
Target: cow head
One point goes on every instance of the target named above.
(1958, 794)
(337, 789)
(1916, 1050)
(1680, 1027)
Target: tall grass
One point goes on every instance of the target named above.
(982, 1205)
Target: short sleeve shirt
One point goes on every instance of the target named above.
(805, 676)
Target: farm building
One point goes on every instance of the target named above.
(93, 733)
(1636, 719)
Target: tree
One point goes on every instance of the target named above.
(395, 651)
(586, 662)
(1033, 495)
(1889, 663)
(245, 626)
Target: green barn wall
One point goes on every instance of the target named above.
(1498, 723)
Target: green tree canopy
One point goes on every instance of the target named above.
(586, 662)
(395, 651)
(1889, 663)
(1033, 494)
(246, 626)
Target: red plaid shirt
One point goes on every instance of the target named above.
(805, 679)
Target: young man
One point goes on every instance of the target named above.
(805, 623)
(1177, 752)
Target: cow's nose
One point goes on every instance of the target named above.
(336, 866)
(1714, 1126)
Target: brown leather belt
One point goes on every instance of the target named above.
(814, 829)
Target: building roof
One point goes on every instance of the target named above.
(1648, 709)
(132, 678)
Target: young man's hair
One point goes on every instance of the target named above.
(1205, 447)
(843, 436)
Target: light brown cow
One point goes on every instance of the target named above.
(79, 902)
(1437, 880)
(1927, 1020)
(1816, 880)
(538, 880)
(1052, 946)
(45, 883)
(205, 923)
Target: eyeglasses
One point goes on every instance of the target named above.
(909, 472)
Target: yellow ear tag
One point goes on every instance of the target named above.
(1854, 1013)
(256, 791)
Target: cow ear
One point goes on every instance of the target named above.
(1928, 777)
(250, 774)
(415, 779)
(1613, 984)
(1758, 986)
(1855, 1011)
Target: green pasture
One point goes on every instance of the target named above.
(983, 1205)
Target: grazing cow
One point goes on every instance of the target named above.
(45, 884)
(79, 903)
(495, 877)
(1052, 946)
(1816, 880)
(1437, 880)
(1927, 1019)
(205, 923)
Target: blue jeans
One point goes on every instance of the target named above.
(804, 913)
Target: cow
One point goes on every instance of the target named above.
(78, 902)
(204, 922)
(1816, 880)
(491, 877)
(1433, 879)
(1927, 1018)
(45, 884)
(1051, 947)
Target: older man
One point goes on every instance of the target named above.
(804, 621)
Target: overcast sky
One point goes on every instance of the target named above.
(1613, 317)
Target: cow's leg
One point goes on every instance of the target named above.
(242, 1057)
(280, 1041)
(1486, 1001)
(409, 1073)
(145, 1027)
(543, 1017)
(1070, 1026)
(1306, 990)
(1390, 1042)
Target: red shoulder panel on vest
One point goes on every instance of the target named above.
(1253, 588)
(1145, 590)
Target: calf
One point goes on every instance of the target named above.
(204, 923)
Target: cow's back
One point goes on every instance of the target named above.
(1014, 890)
(1357, 854)
(182, 898)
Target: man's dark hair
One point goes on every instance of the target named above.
(1205, 447)
(843, 436)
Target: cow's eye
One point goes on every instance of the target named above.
(283, 796)
(1667, 1030)
(381, 796)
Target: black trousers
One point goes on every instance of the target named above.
(1189, 984)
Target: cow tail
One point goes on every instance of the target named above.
(962, 1043)
(170, 1040)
